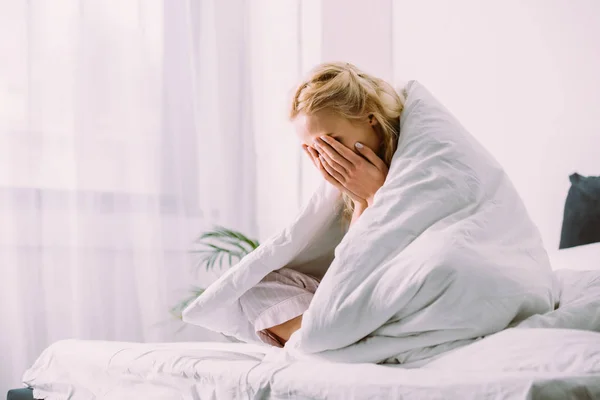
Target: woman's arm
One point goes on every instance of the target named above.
(359, 208)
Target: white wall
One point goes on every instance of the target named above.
(523, 76)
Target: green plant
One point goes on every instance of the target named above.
(220, 246)
(177, 309)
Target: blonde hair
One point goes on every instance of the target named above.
(347, 91)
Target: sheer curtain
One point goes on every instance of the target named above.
(119, 121)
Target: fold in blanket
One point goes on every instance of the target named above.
(446, 254)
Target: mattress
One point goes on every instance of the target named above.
(552, 356)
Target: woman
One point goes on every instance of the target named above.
(348, 123)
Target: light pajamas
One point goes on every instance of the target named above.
(280, 296)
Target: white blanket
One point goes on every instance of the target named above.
(446, 254)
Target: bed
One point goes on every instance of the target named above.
(550, 356)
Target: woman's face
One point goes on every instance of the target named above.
(324, 122)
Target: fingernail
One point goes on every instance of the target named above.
(359, 145)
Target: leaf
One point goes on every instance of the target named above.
(232, 241)
(177, 309)
(219, 246)
(211, 260)
(221, 232)
(222, 246)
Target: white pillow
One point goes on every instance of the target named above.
(581, 258)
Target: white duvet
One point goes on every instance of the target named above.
(445, 255)
(551, 356)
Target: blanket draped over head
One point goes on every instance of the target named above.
(445, 254)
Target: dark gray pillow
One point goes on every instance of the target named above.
(581, 221)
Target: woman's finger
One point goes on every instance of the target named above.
(337, 167)
(335, 182)
(345, 152)
(328, 177)
(331, 170)
(310, 157)
(313, 155)
(339, 158)
(371, 156)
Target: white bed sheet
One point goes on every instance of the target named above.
(529, 361)
(105, 370)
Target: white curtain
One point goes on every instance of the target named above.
(125, 131)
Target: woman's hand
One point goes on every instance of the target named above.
(359, 177)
